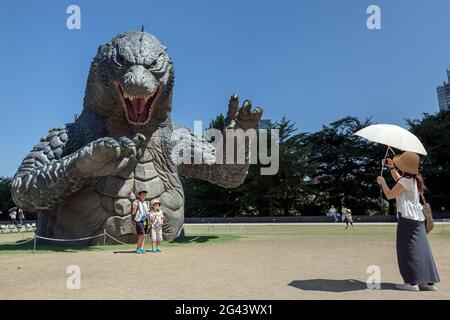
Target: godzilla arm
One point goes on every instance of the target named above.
(221, 168)
(213, 168)
(44, 177)
(58, 167)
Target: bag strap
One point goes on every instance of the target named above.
(423, 198)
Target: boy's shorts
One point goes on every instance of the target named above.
(156, 234)
(140, 228)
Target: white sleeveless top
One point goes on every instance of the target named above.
(408, 204)
(142, 209)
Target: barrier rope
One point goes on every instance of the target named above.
(236, 231)
(68, 240)
(65, 240)
(127, 244)
(192, 240)
(35, 237)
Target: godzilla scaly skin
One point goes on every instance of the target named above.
(83, 177)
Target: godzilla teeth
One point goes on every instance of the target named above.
(131, 97)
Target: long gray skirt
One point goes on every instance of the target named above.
(414, 255)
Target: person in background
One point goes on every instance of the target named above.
(13, 215)
(347, 217)
(20, 215)
(343, 213)
(414, 255)
(332, 212)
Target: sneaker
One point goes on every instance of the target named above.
(427, 287)
(158, 249)
(154, 250)
(138, 251)
(407, 287)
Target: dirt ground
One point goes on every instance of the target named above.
(252, 266)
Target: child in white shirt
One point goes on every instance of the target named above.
(157, 219)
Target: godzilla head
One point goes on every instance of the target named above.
(131, 80)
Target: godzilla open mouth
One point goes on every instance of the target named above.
(137, 108)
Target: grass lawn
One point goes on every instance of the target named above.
(20, 243)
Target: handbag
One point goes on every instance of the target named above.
(428, 213)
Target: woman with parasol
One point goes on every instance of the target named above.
(414, 255)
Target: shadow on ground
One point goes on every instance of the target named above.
(194, 239)
(184, 240)
(328, 285)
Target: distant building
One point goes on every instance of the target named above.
(443, 93)
(265, 124)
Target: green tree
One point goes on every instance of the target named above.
(280, 194)
(434, 132)
(347, 167)
(6, 201)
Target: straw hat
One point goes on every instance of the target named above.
(154, 201)
(407, 162)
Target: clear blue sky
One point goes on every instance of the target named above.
(312, 60)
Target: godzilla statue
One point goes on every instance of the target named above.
(82, 177)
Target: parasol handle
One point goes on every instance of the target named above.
(382, 169)
(383, 161)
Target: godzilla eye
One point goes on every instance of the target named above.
(152, 65)
(157, 66)
(120, 60)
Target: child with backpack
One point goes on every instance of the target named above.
(140, 213)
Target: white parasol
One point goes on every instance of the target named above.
(393, 136)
